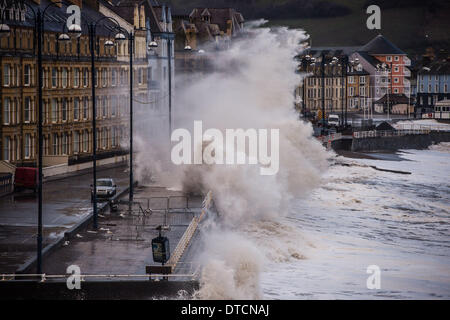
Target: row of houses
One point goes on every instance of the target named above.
(370, 78)
(67, 83)
(377, 77)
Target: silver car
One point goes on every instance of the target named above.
(106, 188)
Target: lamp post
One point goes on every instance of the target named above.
(39, 19)
(305, 61)
(92, 30)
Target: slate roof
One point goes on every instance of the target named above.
(219, 16)
(125, 9)
(436, 67)
(56, 17)
(381, 46)
(394, 98)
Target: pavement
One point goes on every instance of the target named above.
(122, 243)
(66, 201)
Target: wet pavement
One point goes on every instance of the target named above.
(65, 202)
(122, 244)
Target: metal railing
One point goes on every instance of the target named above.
(331, 137)
(430, 127)
(188, 270)
(6, 183)
(387, 133)
(190, 231)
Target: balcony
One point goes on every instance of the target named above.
(406, 61)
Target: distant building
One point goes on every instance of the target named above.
(67, 95)
(202, 31)
(382, 69)
(155, 66)
(388, 68)
(343, 88)
(433, 85)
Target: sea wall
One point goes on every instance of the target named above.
(125, 289)
(412, 141)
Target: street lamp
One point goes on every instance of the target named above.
(305, 61)
(119, 37)
(39, 19)
(4, 30)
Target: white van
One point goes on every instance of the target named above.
(333, 120)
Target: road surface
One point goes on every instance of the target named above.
(65, 202)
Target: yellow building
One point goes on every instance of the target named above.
(67, 85)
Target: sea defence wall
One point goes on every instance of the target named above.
(94, 290)
(408, 141)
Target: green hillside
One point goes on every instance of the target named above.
(412, 25)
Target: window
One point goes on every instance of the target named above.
(113, 106)
(6, 110)
(55, 144)
(113, 77)
(64, 109)
(104, 138)
(96, 77)
(351, 79)
(140, 76)
(389, 58)
(395, 80)
(351, 91)
(64, 143)
(76, 77)
(396, 69)
(76, 142)
(436, 88)
(396, 58)
(104, 77)
(113, 137)
(104, 107)
(76, 108)
(64, 77)
(6, 75)
(85, 108)
(85, 77)
(27, 75)
(395, 90)
(27, 145)
(445, 88)
(27, 109)
(54, 77)
(85, 140)
(54, 110)
(122, 77)
(6, 148)
(362, 79)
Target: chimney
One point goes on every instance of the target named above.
(142, 17)
(76, 2)
(136, 16)
(57, 3)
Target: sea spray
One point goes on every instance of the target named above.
(251, 87)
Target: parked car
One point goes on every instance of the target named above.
(26, 178)
(333, 120)
(106, 188)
